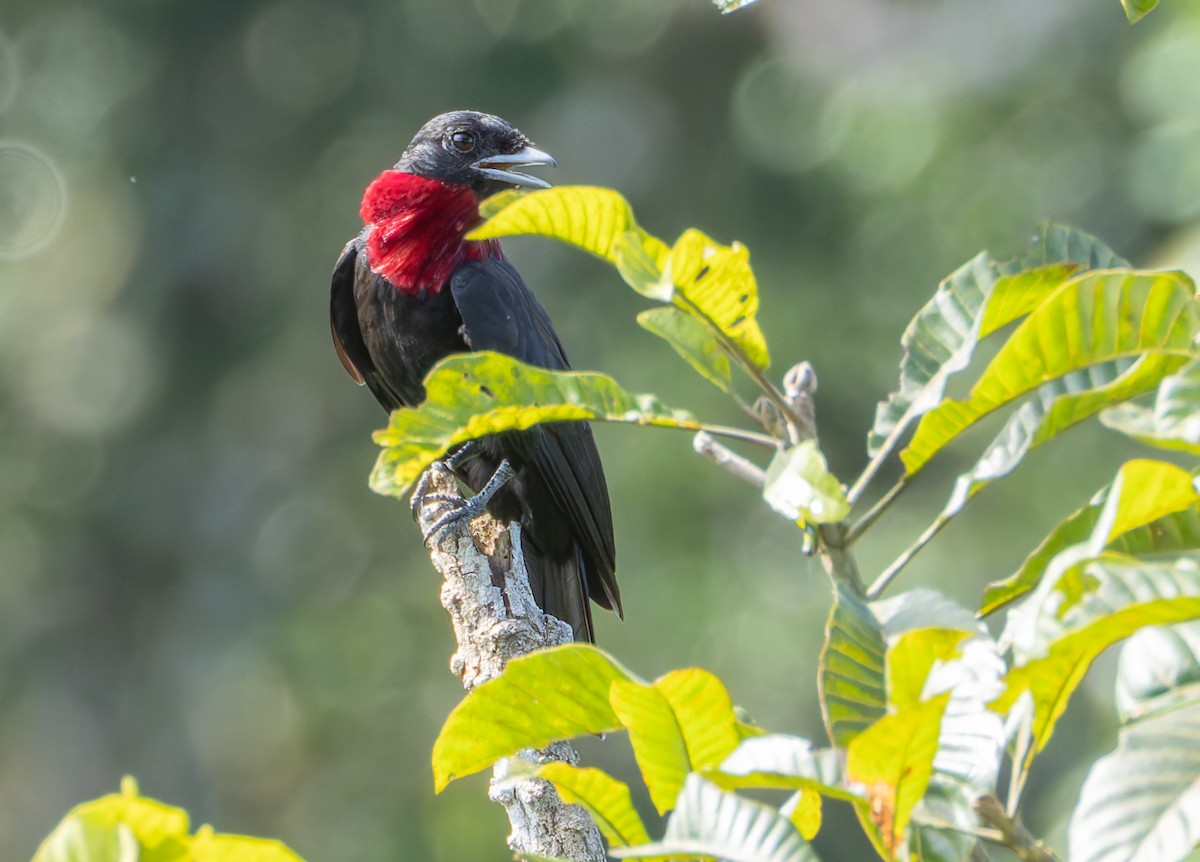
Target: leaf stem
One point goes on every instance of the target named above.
(764, 440)
(868, 473)
(739, 356)
(872, 514)
(889, 574)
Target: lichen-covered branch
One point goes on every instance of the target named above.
(486, 591)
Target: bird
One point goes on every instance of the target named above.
(410, 289)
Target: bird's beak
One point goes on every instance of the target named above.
(499, 167)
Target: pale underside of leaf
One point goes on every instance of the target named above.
(1098, 317)
(711, 823)
(1142, 801)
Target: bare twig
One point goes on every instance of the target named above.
(486, 591)
(727, 459)
(1013, 833)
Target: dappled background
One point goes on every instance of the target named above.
(196, 585)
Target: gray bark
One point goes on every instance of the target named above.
(486, 592)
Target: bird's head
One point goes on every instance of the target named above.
(471, 149)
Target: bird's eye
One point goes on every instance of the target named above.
(462, 141)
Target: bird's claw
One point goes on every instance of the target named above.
(421, 492)
(457, 510)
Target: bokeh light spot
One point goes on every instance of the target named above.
(33, 200)
(775, 107)
(89, 376)
(302, 54)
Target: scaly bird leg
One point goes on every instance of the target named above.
(461, 456)
(458, 509)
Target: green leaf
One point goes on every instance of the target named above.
(852, 669)
(971, 303)
(716, 283)
(1135, 10)
(692, 340)
(126, 827)
(1174, 421)
(1135, 511)
(803, 808)
(717, 825)
(912, 657)
(542, 697)
(1052, 679)
(781, 762)
(1159, 667)
(683, 722)
(593, 219)
(1054, 407)
(1097, 317)
(894, 759)
(473, 395)
(800, 487)
(606, 800)
(727, 6)
(1142, 801)
(119, 827)
(937, 344)
(210, 847)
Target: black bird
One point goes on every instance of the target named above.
(410, 290)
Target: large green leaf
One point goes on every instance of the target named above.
(971, 303)
(1054, 407)
(683, 722)
(473, 395)
(119, 827)
(1097, 317)
(851, 676)
(713, 824)
(594, 219)
(800, 487)
(606, 800)
(1174, 420)
(209, 846)
(716, 283)
(893, 758)
(936, 646)
(127, 827)
(1052, 679)
(692, 340)
(1142, 801)
(542, 697)
(1150, 507)
(1135, 10)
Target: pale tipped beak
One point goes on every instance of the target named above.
(500, 167)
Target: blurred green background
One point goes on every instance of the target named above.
(196, 585)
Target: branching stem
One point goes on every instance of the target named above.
(872, 514)
(889, 574)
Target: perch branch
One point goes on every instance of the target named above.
(486, 591)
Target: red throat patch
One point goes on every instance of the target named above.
(416, 229)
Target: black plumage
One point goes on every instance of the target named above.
(414, 292)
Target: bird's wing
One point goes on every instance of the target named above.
(343, 316)
(499, 313)
(352, 285)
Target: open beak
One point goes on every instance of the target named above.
(500, 167)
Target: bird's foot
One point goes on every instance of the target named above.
(421, 492)
(455, 509)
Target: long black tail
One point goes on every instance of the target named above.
(560, 588)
